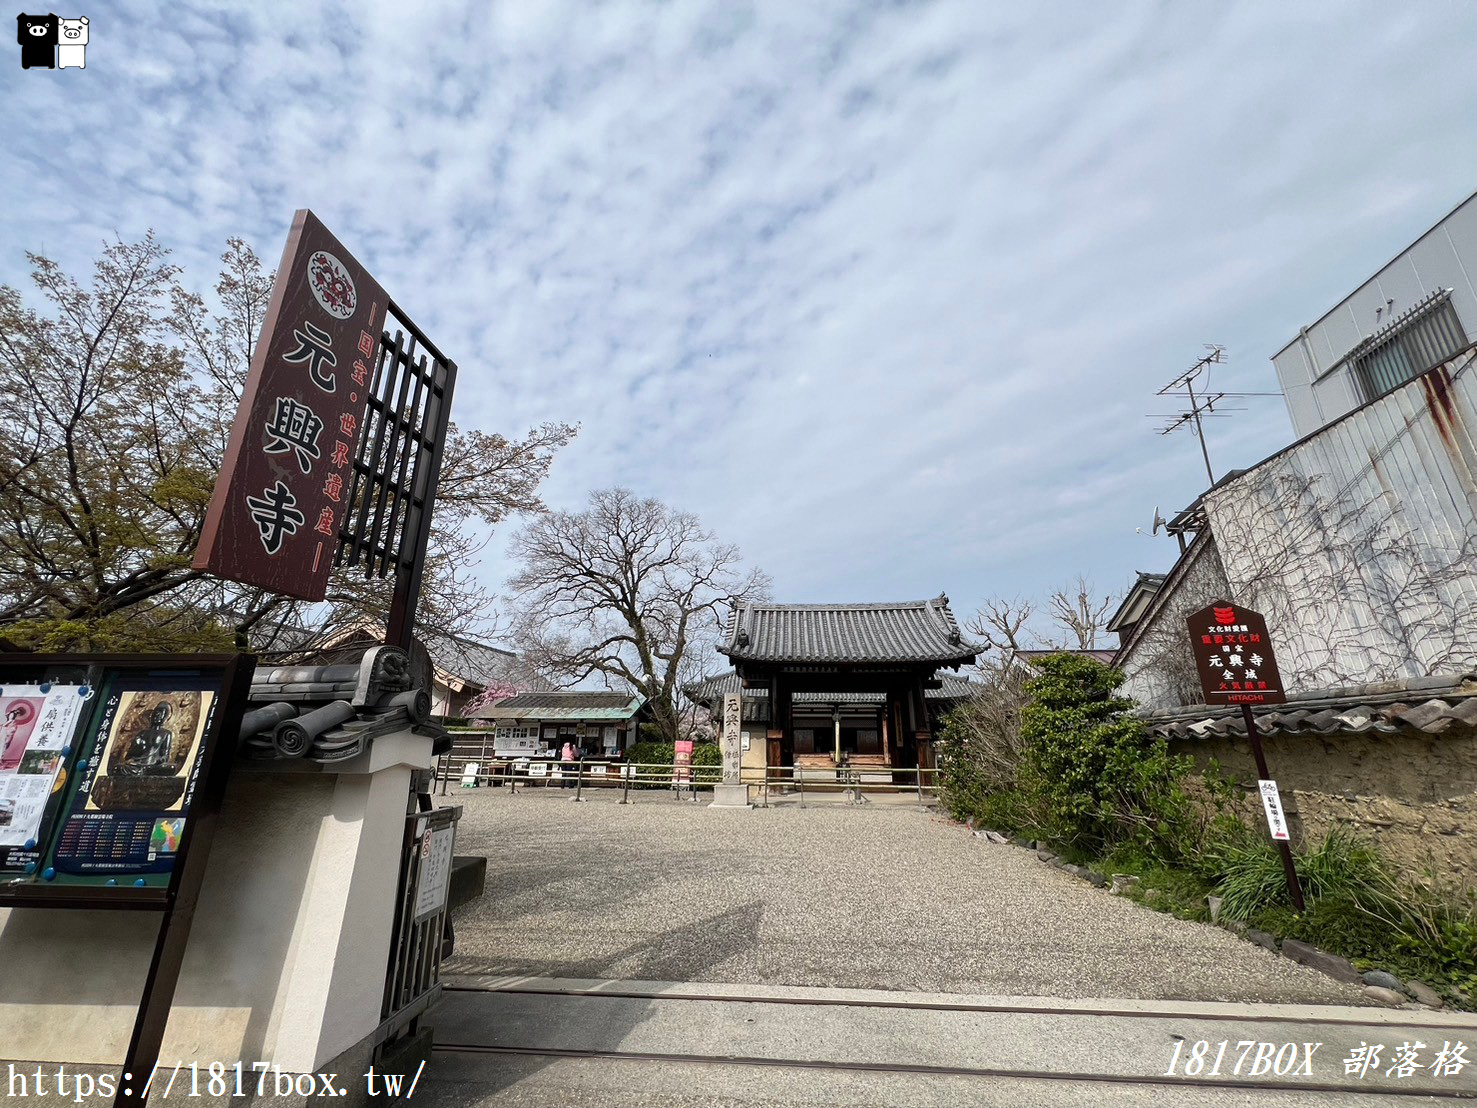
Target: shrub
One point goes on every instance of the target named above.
(979, 752)
(1437, 923)
(1177, 889)
(1334, 923)
(650, 753)
(707, 760)
(705, 757)
(1097, 779)
(1441, 951)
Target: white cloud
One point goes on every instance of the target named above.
(881, 292)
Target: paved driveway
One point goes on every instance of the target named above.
(875, 896)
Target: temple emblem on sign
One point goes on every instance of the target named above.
(332, 286)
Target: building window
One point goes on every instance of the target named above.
(1421, 339)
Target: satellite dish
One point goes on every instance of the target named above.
(1159, 521)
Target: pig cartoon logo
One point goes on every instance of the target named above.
(48, 42)
(71, 49)
(38, 38)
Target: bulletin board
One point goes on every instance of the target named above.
(102, 762)
(113, 769)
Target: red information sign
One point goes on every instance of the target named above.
(278, 502)
(1233, 654)
(682, 757)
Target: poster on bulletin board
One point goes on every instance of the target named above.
(38, 732)
(129, 803)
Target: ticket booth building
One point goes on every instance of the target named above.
(601, 725)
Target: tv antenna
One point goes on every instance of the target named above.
(1198, 407)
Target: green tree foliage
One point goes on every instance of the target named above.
(1095, 777)
(120, 392)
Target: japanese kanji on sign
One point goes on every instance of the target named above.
(1233, 654)
(1272, 804)
(275, 514)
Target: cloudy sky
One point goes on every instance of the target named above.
(882, 291)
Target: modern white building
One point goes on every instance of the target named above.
(1414, 313)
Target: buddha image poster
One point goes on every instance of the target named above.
(150, 749)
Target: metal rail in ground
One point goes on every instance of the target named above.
(1382, 1020)
(1176, 1081)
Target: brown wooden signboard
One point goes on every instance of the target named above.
(1233, 655)
(282, 493)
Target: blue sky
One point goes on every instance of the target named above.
(881, 291)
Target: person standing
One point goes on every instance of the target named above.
(567, 759)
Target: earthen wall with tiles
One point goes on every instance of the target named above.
(1413, 794)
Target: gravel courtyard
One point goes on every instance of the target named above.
(877, 896)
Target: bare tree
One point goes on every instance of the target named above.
(985, 730)
(1076, 611)
(627, 590)
(121, 392)
(1002, 625)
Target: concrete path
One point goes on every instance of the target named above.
(873, 896)
(542, 1041)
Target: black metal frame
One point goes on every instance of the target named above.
(416, 946)
(177, 902)
(392, 492)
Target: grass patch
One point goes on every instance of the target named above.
(1417, 929)
(1168, 888)
(1341, 867)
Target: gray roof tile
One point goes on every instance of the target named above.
(910, 631)
(1429, 704)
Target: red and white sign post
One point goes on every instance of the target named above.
(1233, 655)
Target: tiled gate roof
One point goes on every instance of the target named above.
(909, 631)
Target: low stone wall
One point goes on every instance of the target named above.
(1413, 794)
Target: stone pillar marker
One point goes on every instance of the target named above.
(731, 793)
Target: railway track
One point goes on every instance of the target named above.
(830, 1032)
(1379, 1017)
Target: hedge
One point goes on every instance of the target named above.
(706, 757)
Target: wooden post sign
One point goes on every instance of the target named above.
(282, 493)
(1233, 654)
